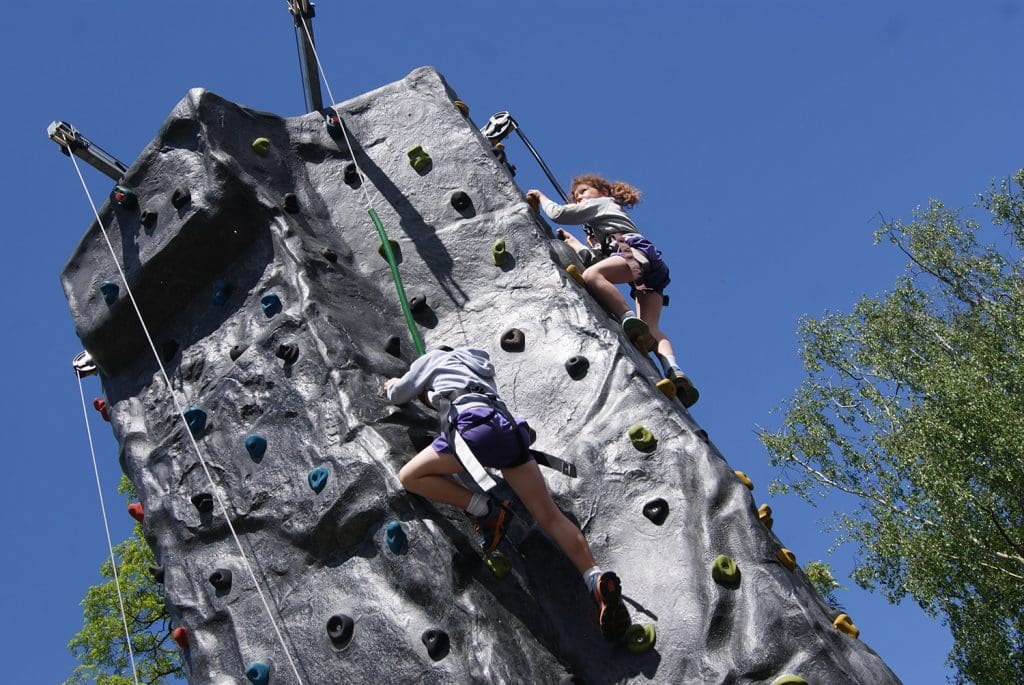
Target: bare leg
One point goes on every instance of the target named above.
(648, 308)
(427, 474)
(601, 278)
(529, 485)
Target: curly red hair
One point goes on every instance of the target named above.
(620, 191)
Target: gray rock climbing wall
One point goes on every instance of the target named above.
(201, 263)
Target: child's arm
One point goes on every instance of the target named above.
(414, 381)
(570, 214)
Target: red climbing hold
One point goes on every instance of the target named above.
(180, 636)
(135, 510)
(102, 408)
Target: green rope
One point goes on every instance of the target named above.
(402, 299)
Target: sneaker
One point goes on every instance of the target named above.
(613, 616)
(639, 334)
(491, 525)
(685, 391)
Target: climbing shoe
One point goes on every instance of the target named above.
(491, 525)
(639, 334)
(613, 616)
(685, 391)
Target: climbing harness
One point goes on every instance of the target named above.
(84, 366)
(189, 425)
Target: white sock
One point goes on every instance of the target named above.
(477, 505)
(629, 314)
(590, 577)
(668, 362)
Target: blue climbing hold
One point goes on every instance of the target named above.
(258, 673)
(196, 420)
(110, 291)
(394, 535)
(271, 304)
(256, 446)
(318, 478)
(221, 291)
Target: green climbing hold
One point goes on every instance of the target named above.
(642, 438)
(498, 254)
(789, 679)
(640, 638)
(261, 146)
(725, 571)
(419, 158)
(500, 566)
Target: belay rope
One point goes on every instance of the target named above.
(184, 422)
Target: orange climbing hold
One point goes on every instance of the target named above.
(787, 558)
(135, 511)
(764, 512)
(745, 479)
(180, 636)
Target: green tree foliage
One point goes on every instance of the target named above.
(913, 405)
(820, 575)
(100, 645)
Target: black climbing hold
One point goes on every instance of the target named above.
(570, 679)
(124, 197)
(460, 200)
(396, 251)
(351, 174)
(203, 501)
(656, 510)
(181, 197)
(256, 446)
(288, 352)
(148, 218)
(418, 304)
(195, 418)
(393, 346)
(291, 203)
(330, 255)
(157, 572)
(221, 291)
(271, 304)
(109, 289)
(236, 351)
(339, 629)
(513, 340)
(168, 349)
(436, 642)
(702, 434)
(577, 367)
(333, 122)
(221, 579)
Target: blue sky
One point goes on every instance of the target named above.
(768, 137)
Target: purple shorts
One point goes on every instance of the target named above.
(491, 437)
(652, 279)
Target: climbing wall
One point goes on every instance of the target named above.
(246, 242)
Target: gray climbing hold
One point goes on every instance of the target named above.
(236, 351)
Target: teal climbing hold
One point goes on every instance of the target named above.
(261, 146)
(498, 253)
(318, 478)
(642, 438)
(123, 197)
(271, 304)
(419, 158)
(258, 673)
(196, 420)
(256, 446)
(109, 289)
(394, 535)
(221, 291)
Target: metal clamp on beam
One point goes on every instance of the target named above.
(71, 141)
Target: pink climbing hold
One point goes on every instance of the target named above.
(180, 636)
(135, 510)
(101, 406)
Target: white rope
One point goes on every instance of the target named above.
(184, 422)
(106, 528)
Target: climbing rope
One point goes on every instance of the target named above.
(106, 528)
(184, 422)
(389, 255)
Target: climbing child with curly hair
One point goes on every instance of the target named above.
(618, 254)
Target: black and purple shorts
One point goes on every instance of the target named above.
(491, 437)
(652, 279)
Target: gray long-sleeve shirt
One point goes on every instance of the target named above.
(440, 372)
(604, 215)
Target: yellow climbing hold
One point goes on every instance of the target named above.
(764, 512)
(844, 625)
(789, 679)
(640, 638)
(575, 272)
(462, 107)
(642, 438)
(787, 558)
(261, 146)
(498, 254)
(499, 565)
(745, 479)
(667, 387)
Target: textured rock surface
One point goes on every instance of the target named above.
(199, 273)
